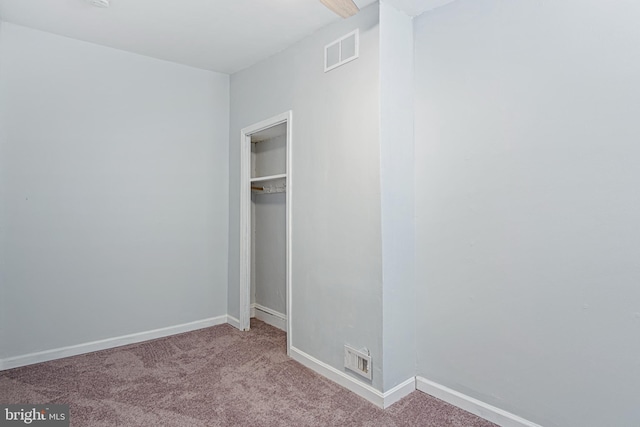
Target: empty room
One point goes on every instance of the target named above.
(320, 213)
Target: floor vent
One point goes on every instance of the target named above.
(359, 361)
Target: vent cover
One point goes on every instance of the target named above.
(358, 361)
(341, 51)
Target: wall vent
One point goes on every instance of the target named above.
(359, 361)
(341, 51)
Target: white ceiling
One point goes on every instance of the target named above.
(416, 7)
(217, 35)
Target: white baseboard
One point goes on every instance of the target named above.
(398, 392)
(381, 400)
(89, 347)
(469, 404)
(269, 316)
(233, 321)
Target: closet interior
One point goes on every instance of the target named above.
(269, 225)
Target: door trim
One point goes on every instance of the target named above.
(245, 218)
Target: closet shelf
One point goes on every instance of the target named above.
(269, 184)
(268, 178)
(271, 189)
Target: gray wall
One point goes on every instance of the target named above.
(113, 188)
(337, 278)
(4, 321)
(527, 206)
(397, 186)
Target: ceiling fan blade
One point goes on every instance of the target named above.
(344, 8)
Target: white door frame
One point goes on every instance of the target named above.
(245, 218)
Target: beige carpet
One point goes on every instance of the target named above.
(217, 376)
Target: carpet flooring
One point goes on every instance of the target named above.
(217, 376)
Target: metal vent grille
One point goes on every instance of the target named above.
(341, 51)
(359, 361)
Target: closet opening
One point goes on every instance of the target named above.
(265, 235)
